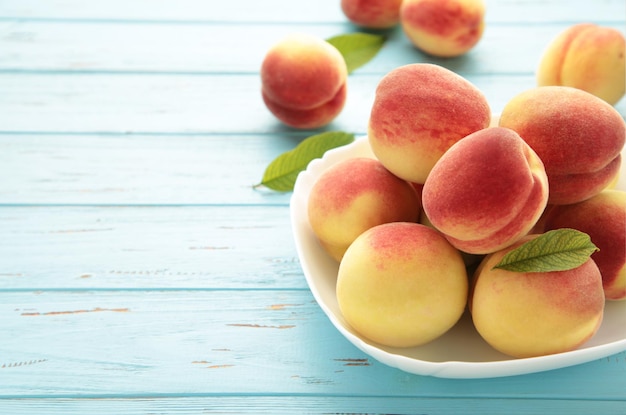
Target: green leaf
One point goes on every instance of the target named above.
(556, 250)
(281, 173)
(357, 48)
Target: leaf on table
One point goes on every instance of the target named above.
(357, 48)
(281, 173)
(556, 250)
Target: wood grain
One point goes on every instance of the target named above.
(151, 247)
(289, 405)
(281, 11)
(139, 169)
(85, 46)
(129, 343)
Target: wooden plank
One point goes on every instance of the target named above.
(139, 169)
(123, 104)
(227, 342)
(185, 10)
(219, 47)
(277, 11)
(130, 104)
(121, 247)
(322, 405)
(202, 104)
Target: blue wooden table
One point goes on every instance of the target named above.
(140, 270)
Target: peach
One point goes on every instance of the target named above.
(372, 14)
(304, 80)
(603, 218)
(353, 196)
(419, 111)
(588, 57)
(444, 28)
(577, 135)
(401, 285)
(535, 313)
(486, 192)
(309, 118)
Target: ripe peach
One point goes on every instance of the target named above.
(588, 57)
(309, 118)
(372, 14)
(304, 81)
(577, 135)
(419, 111)
(535, 313)
(603, 218)
(401, 284)
(354, 195)
(487, 191)
(444, 28)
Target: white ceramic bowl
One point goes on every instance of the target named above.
(460, 353)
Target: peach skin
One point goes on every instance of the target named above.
(486, 192)
(419, 111)
(603, 218)
(588, 57)
(309, 118)
(444, 28)
(303, 81)
(372, 14)
(577, 135)
(354, 195)
(535, 313)
(402, 284)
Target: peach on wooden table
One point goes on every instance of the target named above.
(589, 57)
(303, 81)
(402, 284)
(487, 191)
(355, 195)
(577, 135)
(312, 117)
(603, 218)
(529, 314)
(419, 111)
(444, 28)
(372, 14)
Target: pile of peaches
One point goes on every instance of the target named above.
(419, 229)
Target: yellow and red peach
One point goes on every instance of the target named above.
(419, 111)
(401, 284)
(304, 80)
(444, 28)
(603, 218)
(353, 196)
(486, 192)
(588, 57)
(372, 14)
(535, 313)
(577, 135)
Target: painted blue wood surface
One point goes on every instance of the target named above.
(140, 270)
